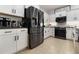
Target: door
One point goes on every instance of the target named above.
(53, 32)
(69, 33)
(19, 10)
(7, 43)
(22, 37)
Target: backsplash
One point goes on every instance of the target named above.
(61, 24)
(12, 18)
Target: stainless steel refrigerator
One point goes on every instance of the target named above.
(34, 21)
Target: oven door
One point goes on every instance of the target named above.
(60, 33)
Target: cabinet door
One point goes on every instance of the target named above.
(5, 9)
(69, 33)
(7, 44)
(74, 7)
(18, 10)
(53, 31)
(22, 39)
(52, 18)
(60, 14)
(46, 34)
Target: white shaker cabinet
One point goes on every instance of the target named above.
(7, 42)
(13, 40)
(73, 15)
(53, 32)
(60, 14)
(15, 10)
(46, 32)
(22, 39)
(18, 10)
(52, 18)
(5, 9)
(69, 33)
(74, 7)
(49, 32)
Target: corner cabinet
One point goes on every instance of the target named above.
(13, 40)
(14, 10)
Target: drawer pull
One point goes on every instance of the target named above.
(22, 30)
(8, 31)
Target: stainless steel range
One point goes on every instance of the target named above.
(60, 32)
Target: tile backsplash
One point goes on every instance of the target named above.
(12, 17)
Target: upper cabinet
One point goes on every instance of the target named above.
(52, 18)
(60, 14)
(46, 18)
(15, 10)
(5, 9)
(18, 10)
(73, 15)
(74, 7)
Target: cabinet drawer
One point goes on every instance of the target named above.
(7, 31)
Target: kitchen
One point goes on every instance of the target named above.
(31, 29)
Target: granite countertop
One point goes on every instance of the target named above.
(11, 27)
(64, 26)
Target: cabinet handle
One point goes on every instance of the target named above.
(22, 30)
(15, 38)
(8, 31)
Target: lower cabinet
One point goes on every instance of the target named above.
(12, 41)
(7, 43)
(48, 32)
(22, 39)
(69, 33)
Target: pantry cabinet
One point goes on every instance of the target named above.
(15, 10)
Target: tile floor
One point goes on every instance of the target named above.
(54, 46)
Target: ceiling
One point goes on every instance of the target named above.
(51, 7)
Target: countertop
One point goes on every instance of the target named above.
(77, 27)
(11, 28)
